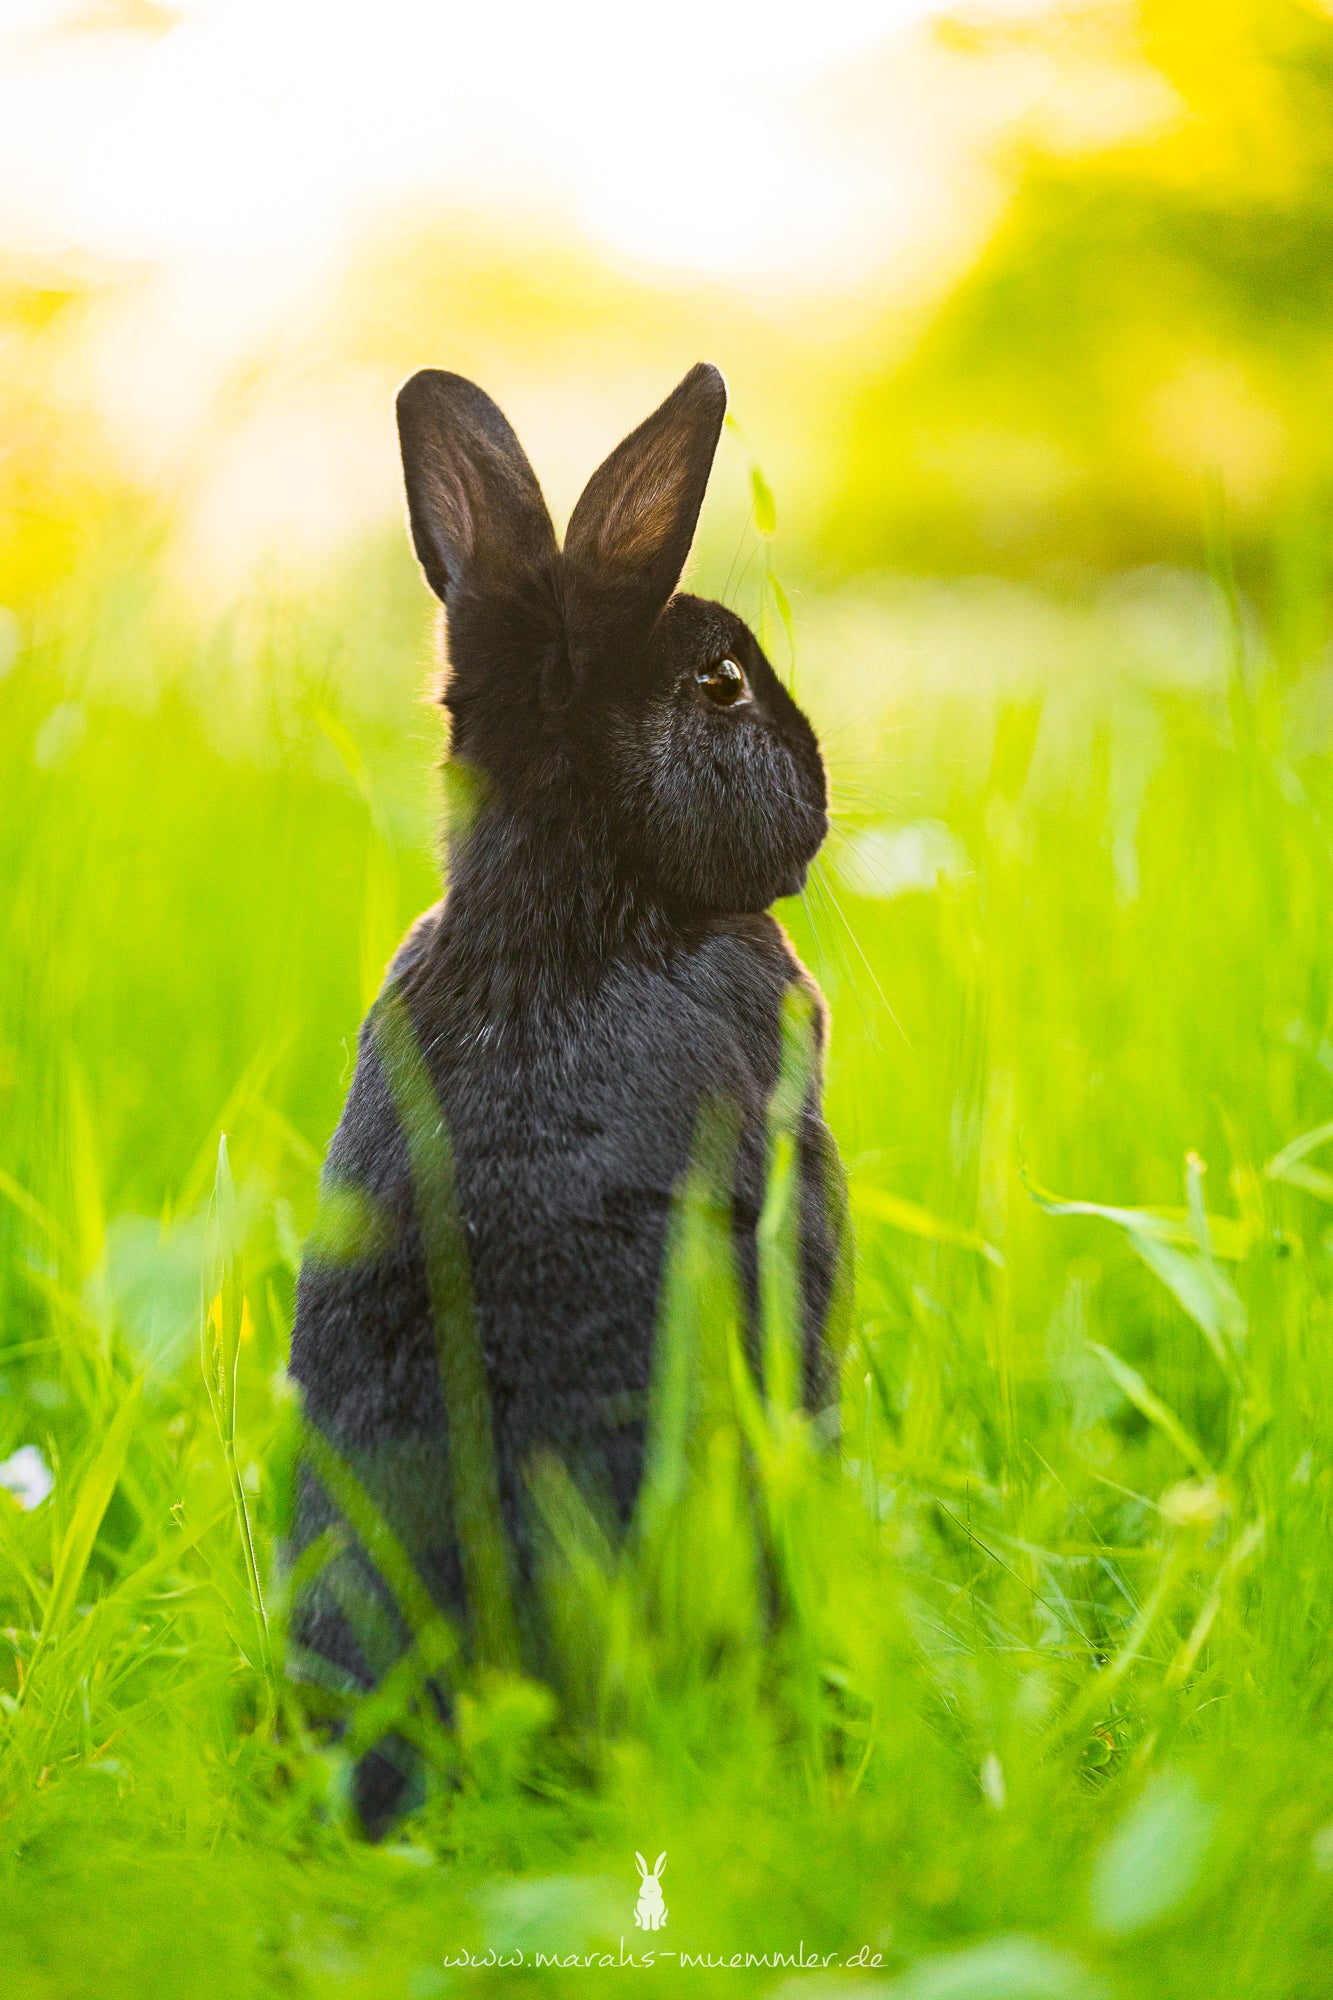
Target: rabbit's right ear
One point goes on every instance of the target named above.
(629, 536)
(643, 1865)
(473, 501)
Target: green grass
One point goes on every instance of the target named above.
(1027, 1692)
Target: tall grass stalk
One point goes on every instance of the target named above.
(222, 1327)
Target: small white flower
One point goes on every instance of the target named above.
(27, 1476)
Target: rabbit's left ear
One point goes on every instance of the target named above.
(657, 1865)
(476, 512)
(630, 533)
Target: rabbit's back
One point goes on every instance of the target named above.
(566, 1147)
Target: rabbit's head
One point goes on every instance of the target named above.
(578, 681)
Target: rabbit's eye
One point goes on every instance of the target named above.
(724, 683)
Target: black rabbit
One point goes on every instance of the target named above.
(601, 969)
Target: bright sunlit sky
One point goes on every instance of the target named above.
(233, 149)
(667, 132)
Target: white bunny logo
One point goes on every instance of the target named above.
(650, 1911)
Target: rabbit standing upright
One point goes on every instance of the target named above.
(601, 969)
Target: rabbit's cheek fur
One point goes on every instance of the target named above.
(725, 813)
(724, 805)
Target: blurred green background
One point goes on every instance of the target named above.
(1026, 317)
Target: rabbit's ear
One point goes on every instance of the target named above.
(643, 1865)
(473, 500)
(630, 533)
(657, 1865)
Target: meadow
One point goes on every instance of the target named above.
(1021, 1690)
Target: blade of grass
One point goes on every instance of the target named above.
(476, 1485)
(1153, 1408)
(95, 1490)
(914, 1220)
(222, 1323)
